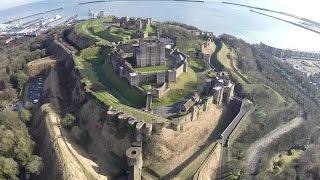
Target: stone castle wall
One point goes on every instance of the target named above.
(161, 91)
(172, 76)
(196, 111)
(179, 70)
(147, 77)
(161, 77)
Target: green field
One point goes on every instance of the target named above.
(152, 69)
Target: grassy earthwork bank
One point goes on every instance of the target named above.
(98, 75)
(271, 109)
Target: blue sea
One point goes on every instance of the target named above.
(210, 16)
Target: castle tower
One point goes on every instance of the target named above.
(149, 102)
(140, 25)
(217, 94)
(134, 161)
(151, 52)
(185, 66)
(220, 99)
(229, 91)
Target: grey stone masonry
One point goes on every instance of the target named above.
(151, 52)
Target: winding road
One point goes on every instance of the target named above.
(256, 150)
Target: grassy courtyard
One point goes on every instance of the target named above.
(152, 69)
(186, 84)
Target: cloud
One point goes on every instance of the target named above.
(5, 4)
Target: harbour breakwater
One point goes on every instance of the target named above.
(306, 23)
(31, 15)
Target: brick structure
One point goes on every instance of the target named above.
(151, 52)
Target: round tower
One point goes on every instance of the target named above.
(134, 161)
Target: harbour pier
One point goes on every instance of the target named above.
(31, 15)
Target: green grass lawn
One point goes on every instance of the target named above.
(222, 56)
(87, 73)
(186, 84)
(97, 68)
(114, 34)
(267, 99)
(108, 99)
(121, 87)
(86, 28)
(197, 65)
(152, 69)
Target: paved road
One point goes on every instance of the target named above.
(255, 151)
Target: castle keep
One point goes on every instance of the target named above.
(151, 52)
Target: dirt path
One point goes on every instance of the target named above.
(255, 151)
(77, 166)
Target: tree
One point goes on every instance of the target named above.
(7, 141)
(19, 79)
(25, 115)
(34, 166)
(8, 118)
(22, 78)
(76, 132)
(9, 168)
(68, 121)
